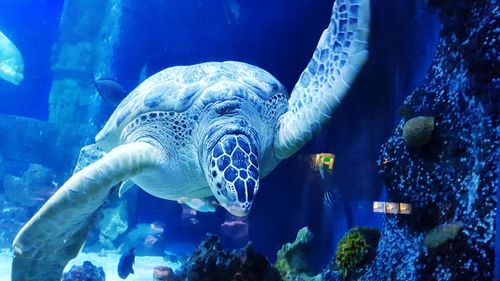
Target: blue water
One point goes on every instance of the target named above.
(33, 26)
(278, 36)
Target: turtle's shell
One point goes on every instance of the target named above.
(178, 88)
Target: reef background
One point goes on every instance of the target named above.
(450, 180)
(453, 178)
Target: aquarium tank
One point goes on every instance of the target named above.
(232, 140)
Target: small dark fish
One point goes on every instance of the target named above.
(126, 263)
(110, 90)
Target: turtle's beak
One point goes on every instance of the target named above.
(233, 173)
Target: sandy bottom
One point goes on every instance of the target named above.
(143, 265)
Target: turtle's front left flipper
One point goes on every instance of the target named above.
(337, 60)
(55, 234)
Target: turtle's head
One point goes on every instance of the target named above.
(233, 172)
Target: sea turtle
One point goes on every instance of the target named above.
(194, 132)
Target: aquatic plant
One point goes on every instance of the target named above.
(418, 130)
(356, 249)
(291, 260)
(442, 234)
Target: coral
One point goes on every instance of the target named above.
(356, 249)
(85, 272)
(291, 259)
(210, 262)
(418, 130)
(442, 234)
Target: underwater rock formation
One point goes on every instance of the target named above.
(85, 272)
(24, 184)
(454, 176)
(55, 146)
(291, 259)
(33, 188)
(210, 262)
(356, 249)
(330, 273)
(113, 223)
(85, 26)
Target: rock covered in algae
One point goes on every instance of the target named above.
(418, 130)
(356, 249)
(441, 234)
(210, 262)
(291, 259)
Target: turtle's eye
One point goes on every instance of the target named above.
(234, 173)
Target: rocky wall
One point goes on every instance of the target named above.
(36, 157)
(86, 28)
(451, 179)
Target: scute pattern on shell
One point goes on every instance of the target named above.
(172, 124)
(178, 88)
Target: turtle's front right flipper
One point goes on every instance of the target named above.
(337, 60)
(55, 234)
